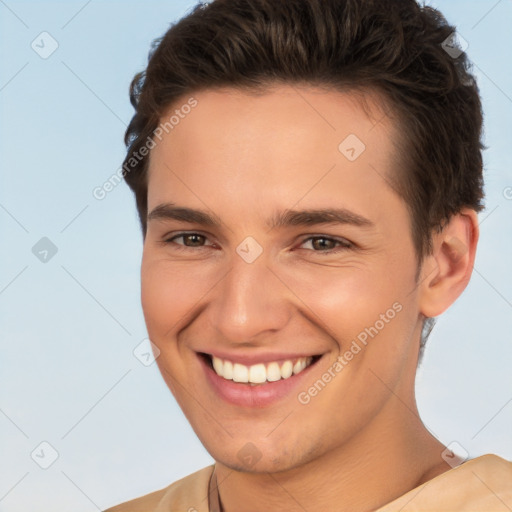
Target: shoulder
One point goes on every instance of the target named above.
(487, 474)
(495, 465)
(483, 483)
(188, 493)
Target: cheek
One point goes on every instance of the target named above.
(347, 298)
(341, 300)
(366, 309)
(169, 292)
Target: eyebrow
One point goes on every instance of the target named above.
(308, 217)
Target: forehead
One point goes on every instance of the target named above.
(287, 143)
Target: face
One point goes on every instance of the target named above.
(273, 242)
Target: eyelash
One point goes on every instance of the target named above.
(343, 244)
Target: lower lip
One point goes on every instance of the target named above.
(245, 395)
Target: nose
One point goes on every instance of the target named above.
(250, 303)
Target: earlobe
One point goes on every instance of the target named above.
(446, 272)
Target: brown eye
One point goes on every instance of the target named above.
(193, 240)
(188, 240)
(324, 244)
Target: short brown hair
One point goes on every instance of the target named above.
(396, 47)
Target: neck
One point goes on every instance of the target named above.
(389, 457)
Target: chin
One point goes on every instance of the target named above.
(251, 459)
(264, 465)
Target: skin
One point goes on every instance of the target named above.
(359, 443)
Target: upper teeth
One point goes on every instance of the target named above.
(259, 373)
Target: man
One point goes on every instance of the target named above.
(308, 175)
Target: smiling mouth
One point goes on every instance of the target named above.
(260, 373)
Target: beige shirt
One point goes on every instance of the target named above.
(483, 484)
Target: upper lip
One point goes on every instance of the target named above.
(251, 359)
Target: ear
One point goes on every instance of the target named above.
(446, 272)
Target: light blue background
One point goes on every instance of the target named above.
(69, 326)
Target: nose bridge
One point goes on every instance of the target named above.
(249, 300)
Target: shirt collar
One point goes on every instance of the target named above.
(213, 493)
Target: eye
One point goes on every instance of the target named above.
(318, 244)
(325, 244)
(189, 240)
